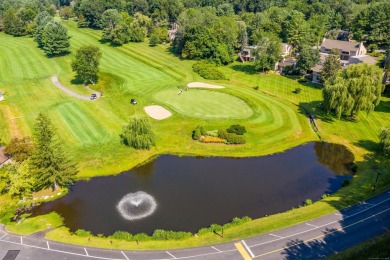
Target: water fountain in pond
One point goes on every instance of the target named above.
(136, 205)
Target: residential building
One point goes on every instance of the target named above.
(247, 53)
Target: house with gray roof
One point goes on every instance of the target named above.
(350, 53)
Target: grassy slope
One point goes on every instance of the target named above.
(91, 129)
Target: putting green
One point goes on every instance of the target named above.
(205, 104)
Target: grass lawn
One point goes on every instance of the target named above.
(273, 116)
(205, 104)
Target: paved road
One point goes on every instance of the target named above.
(312, 240)
(55, 81)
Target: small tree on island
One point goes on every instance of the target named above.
(86, 63)
(50, 165)
(138, 133)
(55, 39)
(384, 142)
(354, 89)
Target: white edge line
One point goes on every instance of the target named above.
(47, 243)
(247, 248)
(311, 225)
(170, 254)
(276, 236)
(86, 252)
(346, 217)
(124, 255)
(21, 240)
(4, 235)
(216, 249)
(60, 251)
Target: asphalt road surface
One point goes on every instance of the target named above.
(315, 239)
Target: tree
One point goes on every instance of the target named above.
(55, 39)
(331, 66)
(154, 40)
(384, 142)
(307, 58)
(21, 181)
(110, 19)
(50, 165)
(268, 52)
(42, 19)
(86, 63)
(65, 12)
(138, 133)
(296, 30)
(354, 89)
(19, 149)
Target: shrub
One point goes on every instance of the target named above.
(237, 222)
(237, 129)
(122, 235)
(154, 40)
(202, 130)
(212, 139)
(256, 88)
(297, 90)
(308, 202)
(207, 70)
(354, 167)
(372, 47)
(212, 133)
(346, 182)
(222, 134)
(376, 54)
(82, 233)
(203, 231)
(302, 80)
(141, 237)
(196, 134)
(323, 196)
(235, 139)
(160, 234)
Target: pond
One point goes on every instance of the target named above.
(189, 193)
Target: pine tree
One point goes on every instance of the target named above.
(55, 39)
(42, 19)
(49, 164)
(138, 133)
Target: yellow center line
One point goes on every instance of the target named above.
(242, 251)
(311, 239)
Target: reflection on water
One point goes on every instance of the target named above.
(194, 192)
(334, 156)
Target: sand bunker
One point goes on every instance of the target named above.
(157, 112)
(202, 85)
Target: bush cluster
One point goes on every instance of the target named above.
(214, 228)
(208, 70)
(212, 139)
(82, 233)
(236, 129)
(160, 234)
(231, 138)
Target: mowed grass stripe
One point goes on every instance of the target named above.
(84, 128)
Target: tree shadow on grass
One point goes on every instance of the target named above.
(384, 106)
(369, 145)
(247, 69)
(314, 108)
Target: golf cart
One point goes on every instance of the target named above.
(93, 96)
(132, 101)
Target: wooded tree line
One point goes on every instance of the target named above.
(38, 163)
(212, 29)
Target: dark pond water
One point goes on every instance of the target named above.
(189, 193)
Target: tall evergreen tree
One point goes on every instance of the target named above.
(86, 63)
(50, 165)
(42, 19)
(356, 88)
(55, 39)
(331, 66)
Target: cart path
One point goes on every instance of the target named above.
(55, 81)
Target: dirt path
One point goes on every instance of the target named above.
(55, 81)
